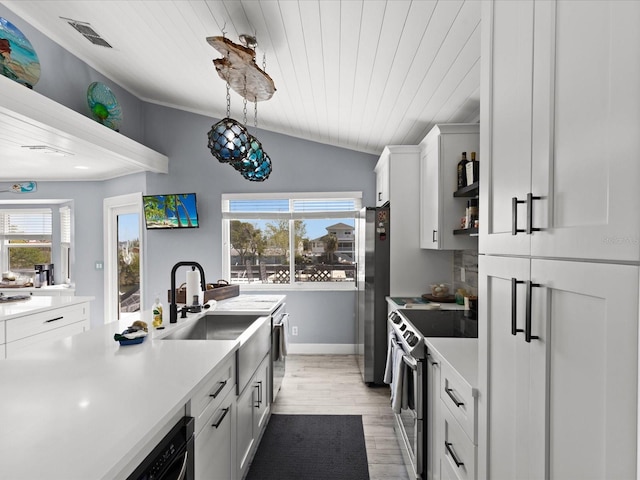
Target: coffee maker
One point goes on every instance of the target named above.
(44, 275)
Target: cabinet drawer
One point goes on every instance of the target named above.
(459, 454)
(460, 399)
(15, 348)
(28, 325)
(214, 390)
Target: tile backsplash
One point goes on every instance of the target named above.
(467, 259)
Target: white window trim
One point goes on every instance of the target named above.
(302, 286)
(113, 206)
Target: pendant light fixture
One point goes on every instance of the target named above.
(229, 140)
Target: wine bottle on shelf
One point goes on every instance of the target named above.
(473, 169)
(462, 171)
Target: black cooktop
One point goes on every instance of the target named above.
(442, 323)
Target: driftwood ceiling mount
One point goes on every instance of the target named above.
(238, 68)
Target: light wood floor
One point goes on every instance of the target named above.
(332, 385)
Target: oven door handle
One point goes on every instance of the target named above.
(410, 361)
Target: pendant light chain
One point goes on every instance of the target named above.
(228, 102)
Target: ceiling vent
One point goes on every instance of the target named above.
(87, 31)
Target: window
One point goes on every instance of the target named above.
(307, 240)
(65, 242)
(25, 236)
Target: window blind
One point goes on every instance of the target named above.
(25, 222)
(65, 225)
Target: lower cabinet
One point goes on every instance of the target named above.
(24, 332)
(214, 452)
(433, 407)
(253, 409)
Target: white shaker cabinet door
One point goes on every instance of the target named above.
(585, 368)
(504, 421)
(586, 119)
(505, 136)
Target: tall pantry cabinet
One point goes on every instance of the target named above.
(559, 240)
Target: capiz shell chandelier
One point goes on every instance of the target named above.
(229, 140)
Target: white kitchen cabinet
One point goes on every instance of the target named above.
(253, 408)
(382, 170)
(214, 452)
(440, 211)
(560, 115)
(434, 439)
(563, 404)
(27, 331)
(411, 268)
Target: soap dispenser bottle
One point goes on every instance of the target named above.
(157, 312)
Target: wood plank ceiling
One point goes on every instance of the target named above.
(351, 73)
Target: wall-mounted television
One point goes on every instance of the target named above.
(178, 210)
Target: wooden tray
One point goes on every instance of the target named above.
(447, 299)
(215, 291)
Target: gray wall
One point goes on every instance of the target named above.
(322, 317)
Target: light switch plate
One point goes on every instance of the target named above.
(99, 265)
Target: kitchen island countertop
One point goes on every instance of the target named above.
(87, 408)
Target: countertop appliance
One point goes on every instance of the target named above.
(279, 331)
(372, 284)
(44, 274)
(406, 343)
(173, 457)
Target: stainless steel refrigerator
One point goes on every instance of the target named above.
(372, 288)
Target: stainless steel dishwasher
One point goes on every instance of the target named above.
(279, 331)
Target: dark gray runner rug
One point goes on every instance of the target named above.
(311, 447)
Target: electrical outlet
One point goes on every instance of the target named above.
(463, 275)
(294, 331)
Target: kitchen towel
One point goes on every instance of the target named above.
(388, 370)
(398, 390)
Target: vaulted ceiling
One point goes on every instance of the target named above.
(351, 73)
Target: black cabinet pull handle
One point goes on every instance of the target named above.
(224, 414)
(431, 361)
(433, 236)
(514, 216)
(260, 392)
(448, 446)
(53, 319)
(530, 199)
(527, 325)
(379, 196)
(257, 402)
(514, 312)
(220, 388)
(453, 398)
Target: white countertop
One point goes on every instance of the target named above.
(252, 304)
(85, 407)
(418, 303)
(36, 304)
(461, 354)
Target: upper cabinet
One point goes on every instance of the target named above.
(382, 179)
(559, 142)
(41, 139)
(440, 210)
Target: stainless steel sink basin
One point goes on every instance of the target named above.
(214, 327)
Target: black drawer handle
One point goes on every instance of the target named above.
(530, 227)
(431, 361)
(514, 216)
(452, 397)
(224, 414)
(527, 321)
(448, 446)
(433, 236)
(220, 388)
(53, 319)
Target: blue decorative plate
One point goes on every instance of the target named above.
(18, 59)
(104, 106)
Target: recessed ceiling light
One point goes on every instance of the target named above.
(81, 167)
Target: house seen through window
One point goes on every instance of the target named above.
(297, 239)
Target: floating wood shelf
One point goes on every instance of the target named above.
(466, 231)
(468, 191)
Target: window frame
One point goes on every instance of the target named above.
(291, 216)
(6, 236)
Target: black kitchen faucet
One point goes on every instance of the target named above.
(173, 307)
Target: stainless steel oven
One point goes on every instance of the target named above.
(407, 372)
